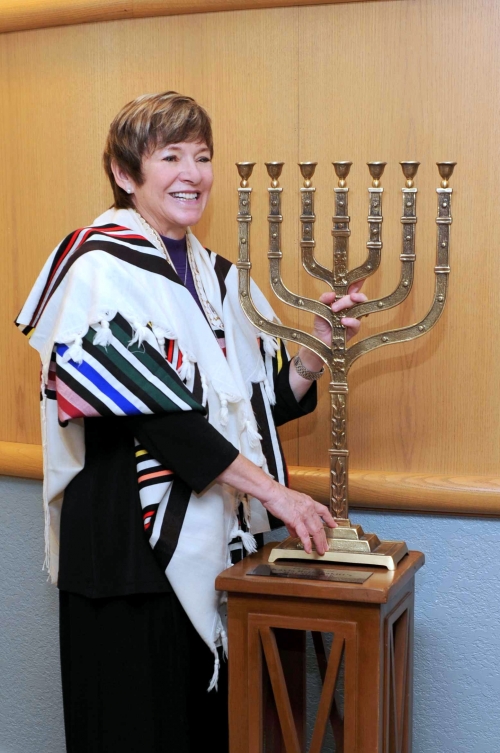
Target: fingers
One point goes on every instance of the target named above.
(304, 536)
(348, 301)
(310, 526)
(355, 287)
(352, 325)
(326, 515)
(319, 538)
(328, 297)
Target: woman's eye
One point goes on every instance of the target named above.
(204, 159)
(170, 158)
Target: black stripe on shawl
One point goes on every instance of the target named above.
(63, 247)
(259, 410)
(148, 262)
(197, 385)
(101, 408)
(155, 481)
(173, 519)
(222, 267)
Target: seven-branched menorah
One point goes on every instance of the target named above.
(347, 543)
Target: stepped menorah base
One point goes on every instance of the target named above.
(348, 544)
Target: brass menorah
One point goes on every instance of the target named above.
(347, 543)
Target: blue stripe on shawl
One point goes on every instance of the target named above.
(101, 384)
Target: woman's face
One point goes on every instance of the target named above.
(177, 183)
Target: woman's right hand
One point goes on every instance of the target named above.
(302, 515)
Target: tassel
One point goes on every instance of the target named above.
(141, 333)
(215, 676)
(160, 336)
(204, 385)
(75, 351)
(248, 541)
(243, 498)
(269, 391)
(103, 334)
(224, 411)
(186, 370)
(223, 637)
(270, 344)
(254, 437)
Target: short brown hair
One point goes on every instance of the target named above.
(147, 123)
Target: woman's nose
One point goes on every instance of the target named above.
(191, 171)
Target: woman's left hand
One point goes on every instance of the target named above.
(322, 329)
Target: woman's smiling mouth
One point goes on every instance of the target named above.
(184, 196)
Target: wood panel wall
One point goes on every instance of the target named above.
(17, 15)
(415, 79)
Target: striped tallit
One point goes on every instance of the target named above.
(118, 334)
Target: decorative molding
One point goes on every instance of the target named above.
(412, 492)
(21, 15)
(24, 460)
(373, 490)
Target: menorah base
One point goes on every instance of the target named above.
(385, 554)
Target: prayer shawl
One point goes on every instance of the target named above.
(118, 334)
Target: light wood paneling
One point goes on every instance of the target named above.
(20, 15)
(413, 80)
(385, 80)
(64, 87)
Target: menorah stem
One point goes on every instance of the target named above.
(339, 454)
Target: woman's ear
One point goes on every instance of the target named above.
(122, 179)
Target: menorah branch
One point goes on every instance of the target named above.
(407, 258)
(275, 256)
(442, 270)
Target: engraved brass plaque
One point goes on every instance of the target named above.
(312, 572)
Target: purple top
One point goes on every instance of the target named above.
(177, 250)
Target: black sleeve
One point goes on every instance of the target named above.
(187, 444)
(286, 407)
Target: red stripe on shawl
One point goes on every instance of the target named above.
(170, 351)
(71, 247)
(72, 404)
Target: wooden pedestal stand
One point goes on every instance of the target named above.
(372, 626)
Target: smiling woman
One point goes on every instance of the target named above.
(160, 403)
(175, 186)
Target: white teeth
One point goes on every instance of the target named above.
(180, 195)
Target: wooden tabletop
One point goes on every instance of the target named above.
(377, 589)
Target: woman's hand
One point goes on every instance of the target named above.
(302, 516)
(300, 513)
(322, 329)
